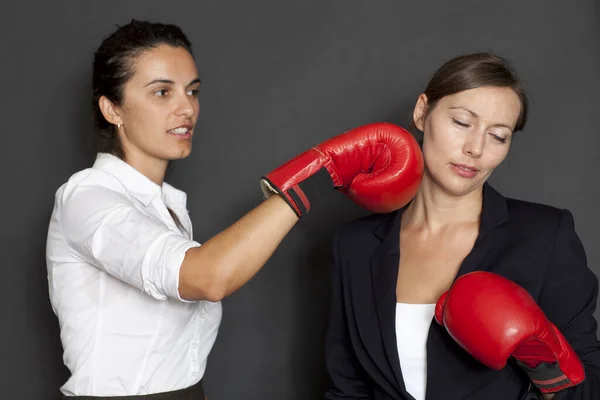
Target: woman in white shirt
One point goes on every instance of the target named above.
(138, 300)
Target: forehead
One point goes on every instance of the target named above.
(496, 104)
(164, 61)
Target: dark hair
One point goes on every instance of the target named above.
(114, 66)
(475, 70)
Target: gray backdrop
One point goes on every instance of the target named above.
(278, 77)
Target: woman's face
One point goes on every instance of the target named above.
(466, 136)
(160, 106)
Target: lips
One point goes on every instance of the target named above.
(464, 171)
(465, 168)
(181, 130)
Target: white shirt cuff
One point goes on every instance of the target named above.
(160, 272)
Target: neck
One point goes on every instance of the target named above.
(153, 168)
(433, 209)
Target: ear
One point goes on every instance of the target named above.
(109, 110)
(420, 111)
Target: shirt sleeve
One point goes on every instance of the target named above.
(104, 228)
(569, 299)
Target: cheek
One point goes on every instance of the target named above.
(149, 115)
(442, 133)
(441, 145)
(135, 110)
(435, 155)
(196, 108)
(495, 155)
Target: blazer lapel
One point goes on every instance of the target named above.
(448, 365)
(493, 214)
(384, 275)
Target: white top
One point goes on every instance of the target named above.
(113, 256)
(412, 328)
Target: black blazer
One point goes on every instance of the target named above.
(534, 245)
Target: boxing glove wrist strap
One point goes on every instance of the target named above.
(302, 195)
(548, 377)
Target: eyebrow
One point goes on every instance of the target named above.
(473, 113)
(170, 82)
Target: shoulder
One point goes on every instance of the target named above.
(91, 186)
(522, 214)
(364, 225)
(532, 210)
(535, 215)
(359, 238)
(540, 222)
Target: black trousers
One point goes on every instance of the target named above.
(195, 392)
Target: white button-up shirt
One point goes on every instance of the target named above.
(113, 257)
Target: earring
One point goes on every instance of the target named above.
(118, 126)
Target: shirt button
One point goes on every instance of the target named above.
(202, 315)
(195, 345)
(194, 375)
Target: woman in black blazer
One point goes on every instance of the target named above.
(389, 270)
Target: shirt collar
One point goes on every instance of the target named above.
(136, 183)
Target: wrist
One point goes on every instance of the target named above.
(301, 195)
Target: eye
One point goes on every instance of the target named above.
(461, 124)
(193, 92)
(161, 92)
(498, 138)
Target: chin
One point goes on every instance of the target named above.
(456, 186)
(460, 189)
(442, 179)
(179, 154)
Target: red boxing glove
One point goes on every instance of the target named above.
(493, 319)
(379, 166)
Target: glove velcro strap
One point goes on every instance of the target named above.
(548, 377)
(302, 195)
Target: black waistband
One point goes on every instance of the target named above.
(195, 392)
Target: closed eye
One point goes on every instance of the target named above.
(498, 138)
(461, 124)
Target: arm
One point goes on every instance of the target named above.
(235, 255)
(569, 299)
(227, 261)
(347, 376)
(106, 230)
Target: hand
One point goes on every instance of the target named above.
(379, 166)
(495, 319)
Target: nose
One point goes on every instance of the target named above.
(186, 105)
(473, 146)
